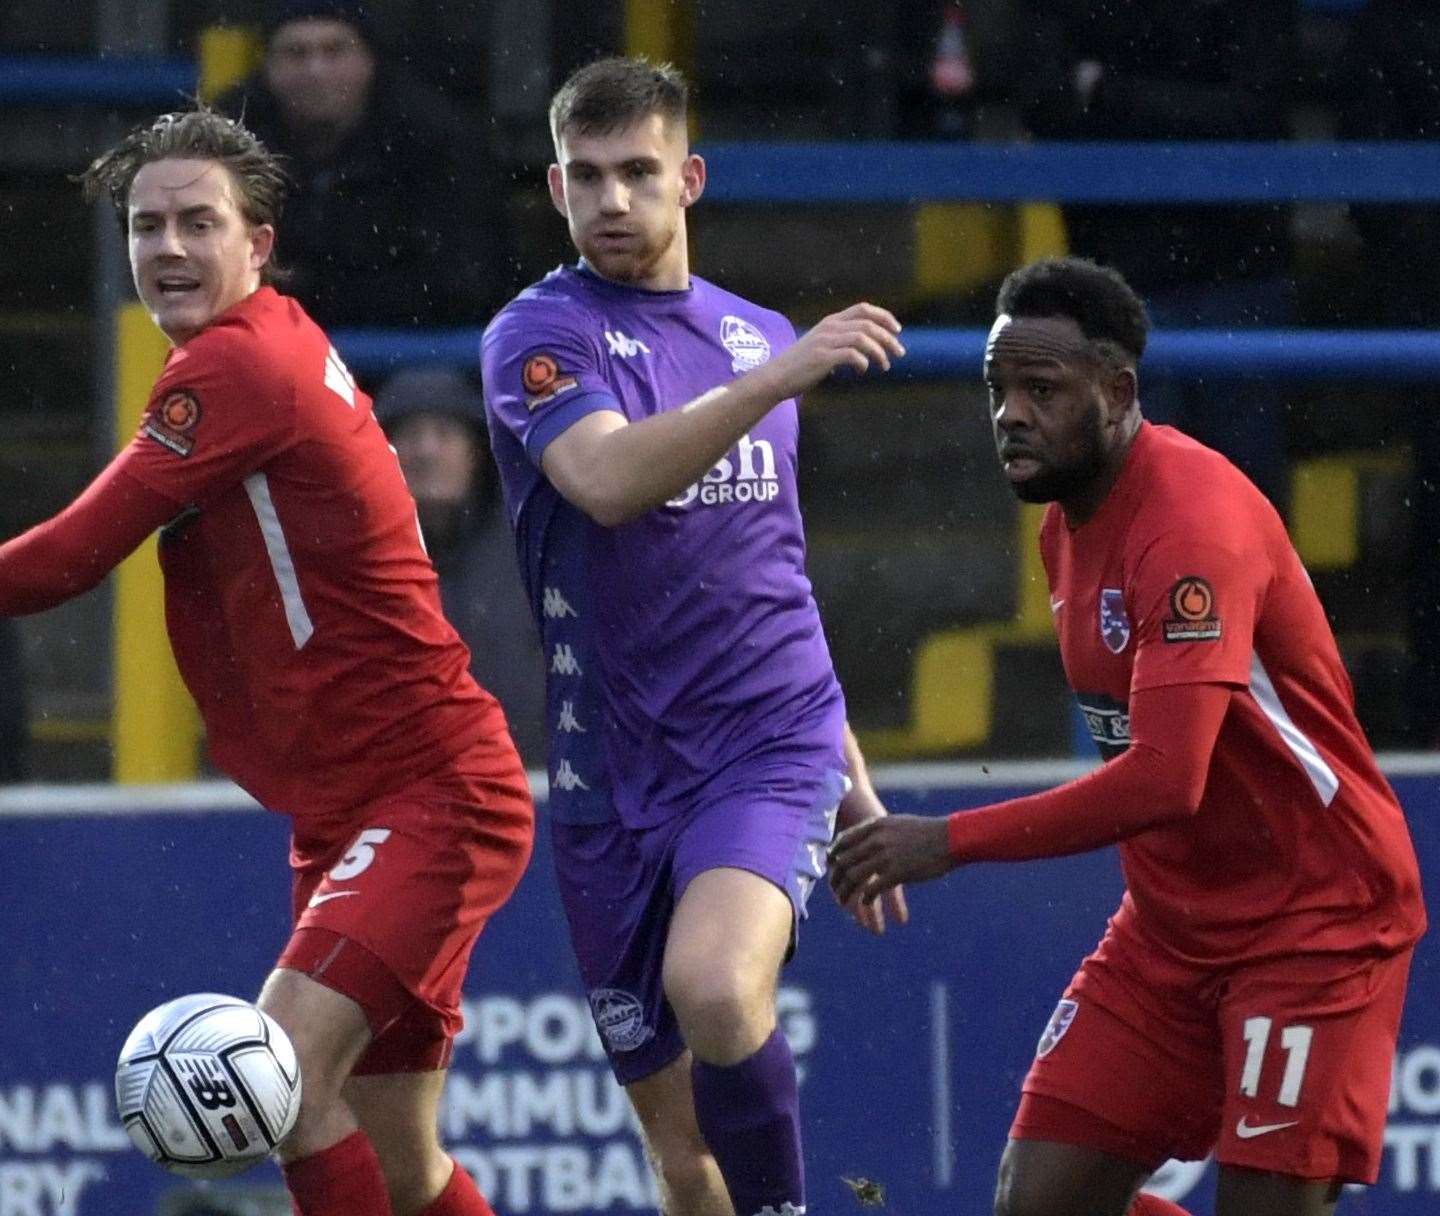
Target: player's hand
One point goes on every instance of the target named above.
(873, 857)
(862, 335)
(862, 805)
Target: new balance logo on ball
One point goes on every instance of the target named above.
(749, 477)
(625, 347)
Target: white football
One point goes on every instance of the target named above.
(207, 1085)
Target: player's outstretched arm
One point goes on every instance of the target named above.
(71, 552)
(861, 805)
(1160, 779)
(614, 470)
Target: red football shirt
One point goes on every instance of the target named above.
(1186, 576)
(303, 611)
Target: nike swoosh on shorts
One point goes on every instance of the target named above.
(1248, 1132)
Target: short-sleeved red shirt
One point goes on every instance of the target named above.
(1185, 575)
(304, 614)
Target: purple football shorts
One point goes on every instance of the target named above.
(620, 887)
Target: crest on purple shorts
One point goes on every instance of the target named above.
(1114, 624)
(1058, 1024)
(620, 1018)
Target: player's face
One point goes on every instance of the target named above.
(1048, 408)
(320, 71)
(625, 194)
(192, 252)
(438, 456)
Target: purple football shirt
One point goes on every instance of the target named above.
(684, 649)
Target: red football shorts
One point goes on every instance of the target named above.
(388, 912)
(1282, 1065)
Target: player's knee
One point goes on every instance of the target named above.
(720, 1007)
(328, 1031)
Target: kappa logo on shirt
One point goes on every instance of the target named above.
(623, 347)
(543, 382)
(172, 423)
(1192, 612)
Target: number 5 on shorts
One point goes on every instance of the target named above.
(360, 854)
(1294, 1041)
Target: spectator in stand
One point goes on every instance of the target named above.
(1392, 93)
(390, 222)
(436, 421)
(1177, 70)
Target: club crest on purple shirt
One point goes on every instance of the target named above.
(1114, 624)
(748, 347)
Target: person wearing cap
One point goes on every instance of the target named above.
(435, 419)
(389, 222)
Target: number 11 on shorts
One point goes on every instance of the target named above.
(1294, 1042)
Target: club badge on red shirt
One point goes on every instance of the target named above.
(172, 423)
(1114, 623)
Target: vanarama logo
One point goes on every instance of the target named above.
(747, 474)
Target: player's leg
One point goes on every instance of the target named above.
(385, 925)
(1244, 1192)
(400, 1112)
(744, 868)
(1126, 1075)
(615, 887)
(1046, 1178)
(722, 960)
(330, 1165)
(1309, 1044)
(689, 1177)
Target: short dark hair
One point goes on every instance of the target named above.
(1095, 297)
(198, 134)
(611, 94)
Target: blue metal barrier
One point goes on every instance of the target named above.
(855, 172)
(136, 81)
(911, 1047)
(1394, 355)
(895, 172)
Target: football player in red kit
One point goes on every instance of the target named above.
(1246, 995)
(305, 619)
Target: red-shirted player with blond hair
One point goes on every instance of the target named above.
(1246, 996)
(305, 619)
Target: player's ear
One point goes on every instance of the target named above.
(262, 245)
(555, 176)
(692, 179)
(1121, 392)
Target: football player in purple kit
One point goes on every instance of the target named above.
(644, 422)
